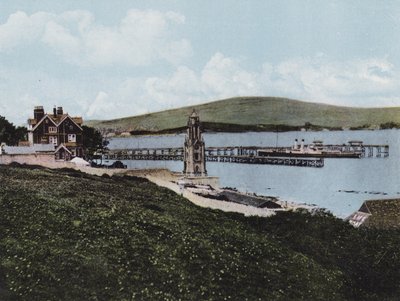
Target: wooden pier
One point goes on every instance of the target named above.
(365, 150)
(244, 155)
(170, 154)
(358, 149)
(302, 162)
(350, 150)
(254, 154)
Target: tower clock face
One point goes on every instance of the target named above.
(197, 147)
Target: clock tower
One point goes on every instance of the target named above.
(194, 148)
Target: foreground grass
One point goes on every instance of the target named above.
(65, 235)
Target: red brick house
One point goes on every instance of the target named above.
(60, 129)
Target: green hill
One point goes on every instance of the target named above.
(65, 235)
(256, 113)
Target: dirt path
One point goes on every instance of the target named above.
(163, 178)
(210, 203)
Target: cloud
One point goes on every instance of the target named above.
(174, 51)
(141, 37)
(21, 91)
(224, 77)
(19, 115)
(101, 106)
(361, 82)
(220, 77)
(21, 29)
(181, 88)
(62, 41)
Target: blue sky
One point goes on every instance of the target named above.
(108, 59)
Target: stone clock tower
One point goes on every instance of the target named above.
(194, 148)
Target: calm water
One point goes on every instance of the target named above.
(369, 178)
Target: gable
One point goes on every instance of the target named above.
(45, 117)
(69, 125)
(364, 208)
(62, 147)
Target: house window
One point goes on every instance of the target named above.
(52, 129)
(53, 140)
(71, 137)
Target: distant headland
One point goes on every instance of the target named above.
(256, 114)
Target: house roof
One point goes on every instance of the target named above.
(384, 214)
(77, 120)
(44, 147)
(18, 150)
(32, 121)
(70, 118)
(62, 146)
(44, 118)
(24, 150)
(57, 120)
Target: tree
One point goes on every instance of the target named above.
(92, 140)
(389, 125)
(10, 134)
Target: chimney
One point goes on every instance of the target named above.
(60, 111)
(302, 144)
(38, 113)
(55, 111)
(295, 144)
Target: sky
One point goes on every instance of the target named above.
(108, 59)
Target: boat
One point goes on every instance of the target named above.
(314, 150)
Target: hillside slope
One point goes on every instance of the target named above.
(70, 236)
(255, 111)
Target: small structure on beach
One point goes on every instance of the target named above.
(381, 214)
(35, 154)
(28, 150)
(194, 148)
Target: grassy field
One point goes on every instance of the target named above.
(259, 113)
(65, 235)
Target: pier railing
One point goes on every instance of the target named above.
(248, 154)
(244, 155)
(365, 150)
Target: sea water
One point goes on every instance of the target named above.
(341, 186)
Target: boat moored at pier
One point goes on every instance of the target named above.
(353, 150)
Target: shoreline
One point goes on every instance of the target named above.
(168, 179)
(154, 134)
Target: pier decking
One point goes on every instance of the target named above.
(257, 154)
(331, 151)
(244, 155)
